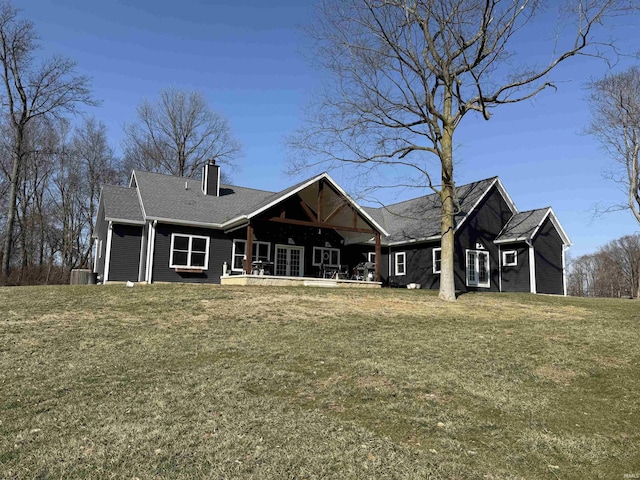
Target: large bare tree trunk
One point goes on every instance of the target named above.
(11, 216)
(447, 277)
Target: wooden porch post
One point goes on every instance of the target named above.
(320, 201)
(249, 249)
(378, 256)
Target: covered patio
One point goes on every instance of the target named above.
(306, 236)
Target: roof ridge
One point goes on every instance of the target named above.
(533, 210)
(222, 185)
(434, 193)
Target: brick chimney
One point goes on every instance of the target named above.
(211, 178)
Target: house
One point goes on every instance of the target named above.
(163, 228)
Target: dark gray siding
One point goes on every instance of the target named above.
(482, 226)
(548, 252)
(516, 278)
(419, 266)
(219, 252)
(125, 253)
(221, 249)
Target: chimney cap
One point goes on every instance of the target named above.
(211, 161)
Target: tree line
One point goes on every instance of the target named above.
(57, 190)
(612, 271)
(54, 159)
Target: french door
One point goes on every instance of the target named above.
(289, 261)
(478, 268)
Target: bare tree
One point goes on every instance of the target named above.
(31, 90)
(612, 271)
(615, 107)
(97, 164)
(406, 72)
(177, 134)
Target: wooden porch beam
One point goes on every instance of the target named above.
(334, 213)
(320, 199)
(306, 223)
(378, 256)
(307, 211)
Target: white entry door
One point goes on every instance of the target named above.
(478, 272)
(289, 261)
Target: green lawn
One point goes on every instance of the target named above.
(187, 381)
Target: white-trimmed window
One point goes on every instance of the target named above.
(261, 251)
(400, 263)
(371, 257)
(189, 251)
(478, 271)
(509, 258)
(437, 259)
(326, 256)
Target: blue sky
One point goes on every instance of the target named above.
(247, 58)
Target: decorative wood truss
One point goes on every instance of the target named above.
(325, 208)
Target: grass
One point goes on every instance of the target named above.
(188, 381)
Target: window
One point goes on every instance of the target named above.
(371, 257)
(478, 268)
(261, 251)
(401, 263)
(326, 256)
(510, 258)
(189, 251)
(437, 260)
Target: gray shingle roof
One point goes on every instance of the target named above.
(165, 197)
(522, 226)
(419, 218)
(121, 204)
(181, 200)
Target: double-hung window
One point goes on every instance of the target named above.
(400, 263)
(261, 252)
(437, 260)
(478, 272)
(326, 256)
(189, 251)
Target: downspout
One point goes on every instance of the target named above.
(146, 266)
(150, 250)
(564, 268)
(143, 254)
(532, 266)
(107, 257)
(96, 252)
